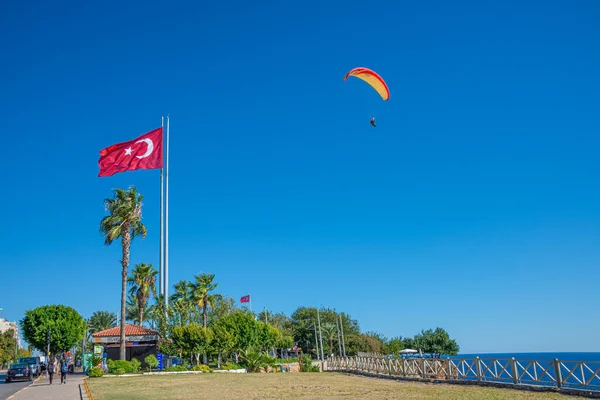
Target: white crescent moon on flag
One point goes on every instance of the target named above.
(150, 147)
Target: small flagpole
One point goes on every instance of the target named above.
(161, 278)
(166, 269)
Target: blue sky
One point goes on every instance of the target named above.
(474, 205)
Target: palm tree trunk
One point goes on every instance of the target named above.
(125, 244)
(141, 304)
(204, 315)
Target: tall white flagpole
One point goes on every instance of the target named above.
(166, 269)
(161, 275)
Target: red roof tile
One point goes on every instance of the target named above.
(130, 330)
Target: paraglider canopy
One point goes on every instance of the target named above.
(373, 79)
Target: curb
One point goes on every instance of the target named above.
(20, 390)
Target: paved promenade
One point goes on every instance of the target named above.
(42, 390)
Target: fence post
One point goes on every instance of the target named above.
(449, 372)
(513, 364)
(423, 367)
(557, 373)
(389, 366)
(478, 368)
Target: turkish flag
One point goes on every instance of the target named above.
(144, 152)
(245, 299)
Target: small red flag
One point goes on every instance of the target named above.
(144, 152)
(245, 299)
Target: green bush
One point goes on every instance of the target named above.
(306, 364)
(119, 371)
(120, 364)
(95, 361)
(176, 368)
(96, 372)
(152, 361)
(135, 364)
(230, 366)
(202, 368)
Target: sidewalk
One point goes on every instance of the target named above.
(42, 390)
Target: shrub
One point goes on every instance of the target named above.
(202, 368)
(152, 361)
(176, 368)
(96, 372)
(230, 366)
(95, 361)
(306, 364)
(119, 371)
(120, 364)
(135, 364)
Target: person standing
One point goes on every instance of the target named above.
(50, 369)
(64, 368)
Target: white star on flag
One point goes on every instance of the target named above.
(128, 151)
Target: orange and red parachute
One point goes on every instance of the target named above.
(373, 79)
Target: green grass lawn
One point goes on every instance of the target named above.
(291, 386)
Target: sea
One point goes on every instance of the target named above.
(566, 356)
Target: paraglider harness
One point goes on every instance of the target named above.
(373, 123)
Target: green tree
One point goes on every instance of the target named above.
(132, 309)
(124, 221)
(394, 346)
(101, 320)
(8, 347)
(192, 339)
(182, 303)
(362, 343)
(151, 361)
(436, 342)
(224, 305)
(201, 294)
(65, 325)
(329, 332)
(223, 341)
(244, 328)
(143, 284)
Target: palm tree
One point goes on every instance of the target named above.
(201, 294)
(329, 332)
(202, 297)
(124, 221)
(132, 309)
(182, 301)
(143, 283)
(101, 320)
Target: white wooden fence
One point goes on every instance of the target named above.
(580, 375)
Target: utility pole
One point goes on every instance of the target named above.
(342, 329)
(337, 325)
(316, 341)
(320, 336)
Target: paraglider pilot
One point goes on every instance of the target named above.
(373, 122)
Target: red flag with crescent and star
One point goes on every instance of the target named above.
(245, 299)
(144, 152)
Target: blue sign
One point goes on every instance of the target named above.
(159, 357)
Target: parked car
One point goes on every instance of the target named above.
(34, 364)
(19, 371)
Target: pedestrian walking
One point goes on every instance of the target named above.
(50, 369)
(64, 368)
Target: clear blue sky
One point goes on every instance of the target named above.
(474, 205)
